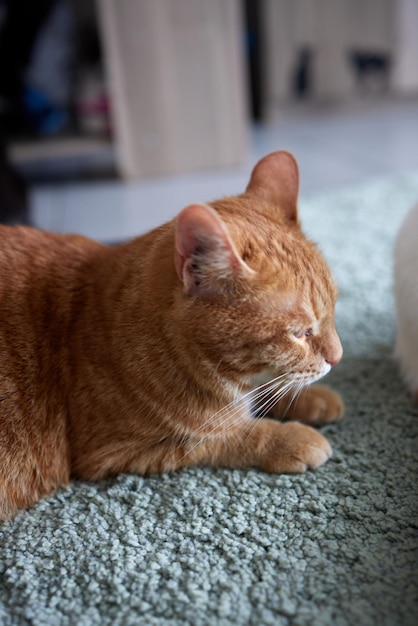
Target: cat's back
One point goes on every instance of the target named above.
(25, 251)
(39, 273)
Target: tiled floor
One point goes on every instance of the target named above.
(334, 147)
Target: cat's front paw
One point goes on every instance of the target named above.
(315, 405)
(297, 449)
(318, 405)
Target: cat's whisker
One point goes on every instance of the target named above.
(231, 420)
(219, 416)
(217, 366)
(254, 396)
(273, 398)
(214, 424)
(297, 389)
(261, 399)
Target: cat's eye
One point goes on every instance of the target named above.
(303, 333)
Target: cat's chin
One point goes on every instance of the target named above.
(309, 380)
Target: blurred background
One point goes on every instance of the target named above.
(114, 114)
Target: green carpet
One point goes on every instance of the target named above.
(211, 546)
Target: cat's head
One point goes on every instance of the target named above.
(256, 294)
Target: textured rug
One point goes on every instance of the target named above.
(338, 546)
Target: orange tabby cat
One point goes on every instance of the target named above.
(141, 358)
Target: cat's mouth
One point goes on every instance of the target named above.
(308, 379)
(304, 378)
(290, 380)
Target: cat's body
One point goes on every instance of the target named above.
(141, 358)
(406, 296)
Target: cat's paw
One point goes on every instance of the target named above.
(318, 405)
(297, 449)
(315, 405)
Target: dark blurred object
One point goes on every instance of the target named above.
(54, 84)
(91, 99)
(21, 23)
(252, 12)
(302, 79)
(371, 68)
(13, 193)
(49, 75)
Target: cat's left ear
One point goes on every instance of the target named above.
(206, 258)
(276, 179)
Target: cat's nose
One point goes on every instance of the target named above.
(335, 353)
(335, 361)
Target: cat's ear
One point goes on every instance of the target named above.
(276, 179)
(206, 258)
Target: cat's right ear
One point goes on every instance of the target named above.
(275, 178)
(205, 257)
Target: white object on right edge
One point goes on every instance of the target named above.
(406, 297)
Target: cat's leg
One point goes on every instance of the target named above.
(314, 405)
(263, 443)
(33, 461)
(21, 488)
